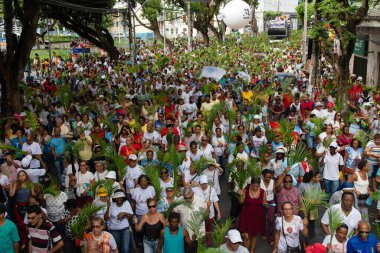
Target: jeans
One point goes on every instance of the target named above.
(331, 186)
(222, 161)
(122, 238)
(150, 246)
(310, 141)
(58, 161)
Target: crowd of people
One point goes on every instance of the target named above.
(116, 157)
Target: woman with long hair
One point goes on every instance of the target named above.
(140, 195)
(150, 226)
(21, 190)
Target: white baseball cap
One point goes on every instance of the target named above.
(333, 144)
(203, 179)
(111, 175)
(234, 236)
(132, 157)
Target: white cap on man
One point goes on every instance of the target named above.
(234, 236)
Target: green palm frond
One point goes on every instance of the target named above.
(361, 136)
(200, 165)
(231, 119)
(299, 154)
(253, 167)
(106, 184)
(376, 229)
(196, 222)
(240, 177)
(375, 196)
(84, 217)
(335, 220)
(53, 188)
(64, 95)
(73, 149)
(270, 134)
(153, 173)
(17, 152)
(286, 130)
(220, 232)
(319, 125)
(327, 141)
(117, 162)
(313, 199)
(176, 159)
(33, 121)
(212, 114)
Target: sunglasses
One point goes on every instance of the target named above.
(96, 226)
(363, 232)
(154, 206)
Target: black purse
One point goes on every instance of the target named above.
(288, 248)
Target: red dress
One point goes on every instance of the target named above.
(252, 218)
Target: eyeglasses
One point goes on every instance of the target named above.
(96, 226)
(363, 232)
(154, 206)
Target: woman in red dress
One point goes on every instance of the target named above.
(252, 218)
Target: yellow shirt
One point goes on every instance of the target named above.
(247, 95)
(86, 151)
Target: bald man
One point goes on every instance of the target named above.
(92, 246)
(363, 242)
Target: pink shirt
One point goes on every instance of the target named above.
(292, 195)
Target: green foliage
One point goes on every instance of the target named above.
(174, 204)
(319, 125)
(106, 184)
(269, 15)
(286, 130)
(33, 121)
(117, 161)
(335, 220)
(215, 111)
(108, 122)
(313, 199)
(200, 165)
(73, 149)
(153, 173)
(220, 232)
(361, 136)
(196, 221)
(300, 9)
(17, 152)
(376, 229)
(298, 154)
(84, 217)
(53, 188)
(64, 95)
(175, 159)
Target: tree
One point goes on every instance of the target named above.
(14, 59)
(342, 16)
(254, 4)
(89, 19)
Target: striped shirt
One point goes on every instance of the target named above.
(374, 149)
(43, 236)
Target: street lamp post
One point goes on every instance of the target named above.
(304, 52)
(189, 26)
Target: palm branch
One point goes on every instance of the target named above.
(220, 232)
(53, 187)
(327, 141)
(231, 119)
(253, 167)
(196, 222)
(212, 114)
(240, 177)
(270, 134)
(375, 196)
(200, 165)
(84, 217)
(335, 220)
(361, 136)
(106, 184)
(319, 125)
(64, 95)
(286, 130)
(153, 173)
(312, 199)
(117, 162)
(33, 121)
(298, 154)
(17, 152)
(176, 159)
(376, 229)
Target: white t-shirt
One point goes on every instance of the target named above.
(153, 137)
(331, 169)
(194, 157)
(113, 222)
(268, 190)
(219, 151)
(100, 176)
(68, 170)
(34, 174)
(131, 177)
(207, 151)
(83, 181)
(336, 246)
(33, 149)
(140, 196)
(213, 178)
(351, 220)
(207, 195)
(241, 249)
(4, 180)
(292, 238)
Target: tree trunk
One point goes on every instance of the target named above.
(314, 63)
(156, 29)
(254, 27)
(217, 34)
(16, 56)
(206, 38)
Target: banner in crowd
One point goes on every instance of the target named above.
(212, 72)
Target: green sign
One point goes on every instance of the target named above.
(361, 45)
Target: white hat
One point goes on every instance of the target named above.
(25, 162)
(318, 104)
(128, 96)
(234, 236)
(23, 114)
(360, 78)
(118, 194)
(111, 175)
(256, 116)
(280, 150)
(101, 96)
(203, 179)
(333, 144)
(132, 157)
(367, 104)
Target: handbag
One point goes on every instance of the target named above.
(288, 248)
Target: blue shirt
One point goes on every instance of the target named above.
(9, 235)
(58, 144)
(355, 245)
